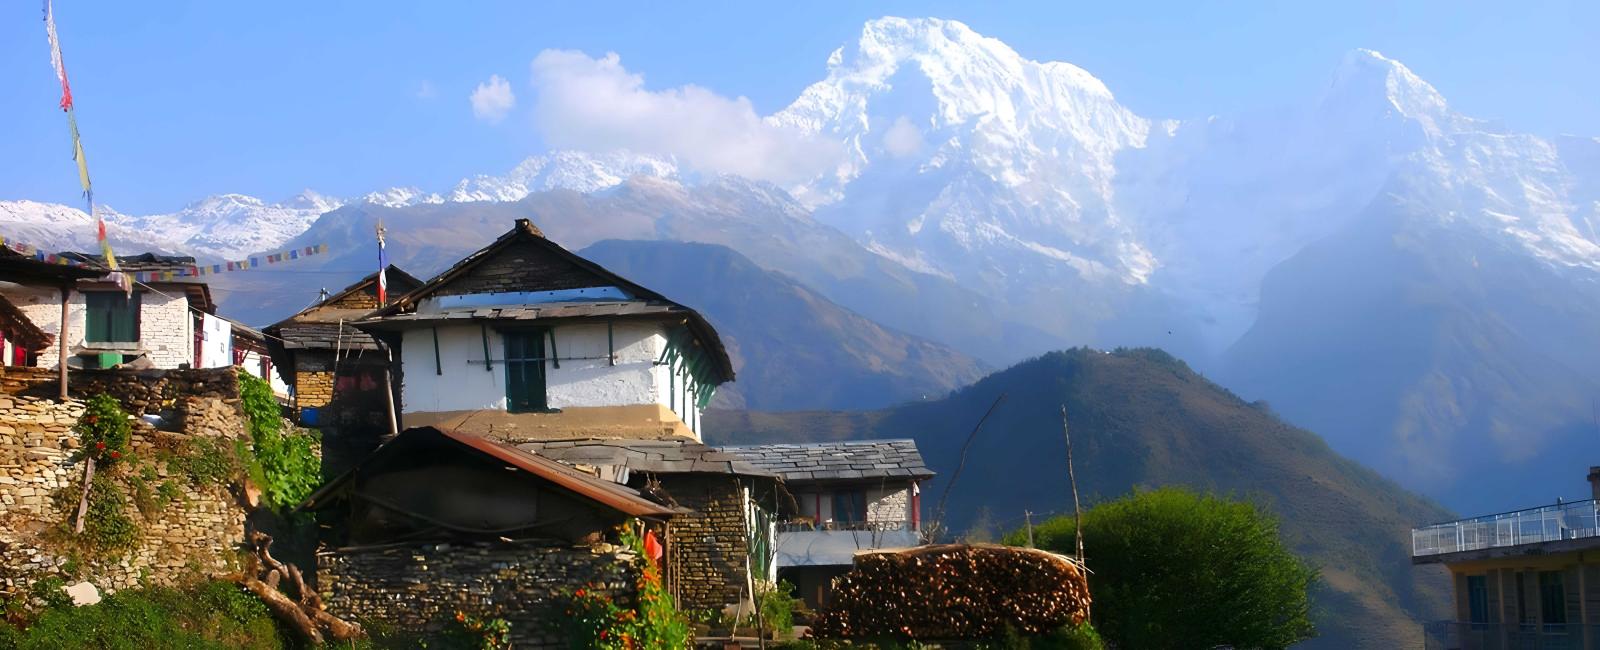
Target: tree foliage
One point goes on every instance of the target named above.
(1171, 568)
(287, 462)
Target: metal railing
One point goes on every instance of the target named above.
(1574, 520)
(805, 526)
(1453, 635)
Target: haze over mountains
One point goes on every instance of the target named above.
(1415, 285)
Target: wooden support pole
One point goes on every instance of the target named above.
(438, 366)
(1077, 510)
(1027, 517)
(388, 391)
(62, 339)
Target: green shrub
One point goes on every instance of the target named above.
(211, 615)
(107, 528)
(104, 429)
(777, 606)
(286, 464)
(1170, 568)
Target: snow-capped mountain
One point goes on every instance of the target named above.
(231, 226)
(571, 170)
(964, 155)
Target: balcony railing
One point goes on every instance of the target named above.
(1575, 520)
(804, 526)
(1452, 635)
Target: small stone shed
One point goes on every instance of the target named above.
(438, 521)
(725, 541)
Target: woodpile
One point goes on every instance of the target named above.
(955, 591)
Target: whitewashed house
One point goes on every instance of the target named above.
(526, 340)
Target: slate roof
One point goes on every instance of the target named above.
(656, 456)
(404, 309)
(318, 328)
(825, 461)
(550, 311)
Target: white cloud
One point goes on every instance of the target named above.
(493, 100)
(902, 139)
(596, 104)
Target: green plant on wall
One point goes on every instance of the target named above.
(287, 468)
(104, 429)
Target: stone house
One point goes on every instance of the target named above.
(724, 541)
(849, 497)
(23, 278)
(334, 370)
(106, 326)
(528, 340)
(446, 521)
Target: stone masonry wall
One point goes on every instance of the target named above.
(195, 534)
(710, 547)
(313, 388)
(419, 588)
(889, 505)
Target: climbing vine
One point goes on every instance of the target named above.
(286, 465)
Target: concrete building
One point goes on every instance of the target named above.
(1523, 579)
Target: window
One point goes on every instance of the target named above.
(525, 371)
(1552, 598)
(849, 507)
(1477, 599)
(111, 317)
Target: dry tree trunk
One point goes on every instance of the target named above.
(305, 615)
(83, 501)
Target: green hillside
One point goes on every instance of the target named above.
(1141, 418)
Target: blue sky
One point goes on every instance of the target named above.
(177, 100)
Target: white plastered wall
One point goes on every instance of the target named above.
(166, 329)
(460, 381)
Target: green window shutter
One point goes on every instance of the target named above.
(111, 317)
(525, 389)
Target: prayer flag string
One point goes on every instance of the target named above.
(184, 271)
(58, 64)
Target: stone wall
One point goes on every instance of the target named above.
(419, 588)
(891, 505)
(40, 475)
(313, 388)
(709, 547)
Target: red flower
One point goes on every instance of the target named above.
(100, 445)
(115, 455)
(93, 419)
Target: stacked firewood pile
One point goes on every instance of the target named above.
(955, 591)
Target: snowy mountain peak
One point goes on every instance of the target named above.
(572, 170)
(1367, 75)
(313, 200)
(399, 197)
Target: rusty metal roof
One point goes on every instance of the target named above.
(617, 497)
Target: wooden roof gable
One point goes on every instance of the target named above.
(523, 260)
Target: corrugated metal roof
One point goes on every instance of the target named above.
(617, 497)
(856, 459)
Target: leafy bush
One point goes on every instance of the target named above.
(104, 429)
(210, 615)
(1174, 569)
(777, 605)
(287, 466)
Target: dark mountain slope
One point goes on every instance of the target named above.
(1442, 358)
(793, 348)
(1143, 418)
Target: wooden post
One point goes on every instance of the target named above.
(1077, 511)
(1027, 517)
(61, 338)
(388, 391)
